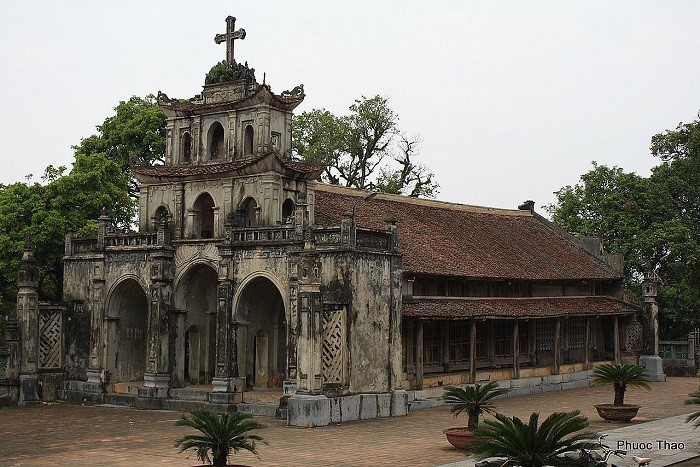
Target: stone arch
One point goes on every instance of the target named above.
(248, 138)
(186, 147)
(195, 347)
(260, 307)
(161, 212)
(249, 212)
(203, 219)
(287, 209)
(127, 330)
(216, 141)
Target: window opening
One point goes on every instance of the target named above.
(186, 147)
(248, 138)
(216, 148)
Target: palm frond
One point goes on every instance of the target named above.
(219, 434)
(627, 374)
(532, 444)
(475, 397)
(695, 416)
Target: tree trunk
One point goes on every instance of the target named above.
(619, 394)
(473, 420)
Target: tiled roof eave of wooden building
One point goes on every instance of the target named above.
(461, 308)
(454, 240)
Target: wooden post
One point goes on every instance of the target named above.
(516, 349)
(472, 352)
(419, 355)
(557, 346)
(616, 339)
(587, 345)
(445, 340)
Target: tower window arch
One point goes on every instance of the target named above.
(186, 147)
(216, 141)
(160, 214)
(287, 210)
(249, 213)
(204, 216)
(248, 140)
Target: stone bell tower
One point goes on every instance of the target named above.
(649, 358)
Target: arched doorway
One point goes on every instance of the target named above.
(196, 295)
(262, 342)
(127, 316)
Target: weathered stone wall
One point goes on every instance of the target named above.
(76, 293)
(364, 282)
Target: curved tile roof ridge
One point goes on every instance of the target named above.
(348, 191)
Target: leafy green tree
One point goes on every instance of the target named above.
(99, 178)
(134, 135)
(534, 445)
(654, 219)
(219, 434)
(360, 149)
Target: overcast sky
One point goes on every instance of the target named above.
(513, 100)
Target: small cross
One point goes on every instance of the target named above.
(230, 36)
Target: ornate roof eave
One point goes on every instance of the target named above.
(263, 94)
(269, 162)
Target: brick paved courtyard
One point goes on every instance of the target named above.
(63, 434)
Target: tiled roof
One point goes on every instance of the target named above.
(437, 238)
(222, 167)
(544, 307)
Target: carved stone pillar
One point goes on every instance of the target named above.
(650, 321)
(28, 325)
(160, 323)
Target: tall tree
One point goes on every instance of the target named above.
(99, 178)
(361, 149)
(655, 219)
(134, 135)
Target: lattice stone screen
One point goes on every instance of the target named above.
(334, 354)
(3, 366)
(50, 339)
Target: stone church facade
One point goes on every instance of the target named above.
(248, 275)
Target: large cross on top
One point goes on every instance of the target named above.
(230, 36)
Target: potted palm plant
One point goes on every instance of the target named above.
(474, 400)
(534, 445)
(219, 434)
(620, 376)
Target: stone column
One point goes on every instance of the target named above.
(227, 383)
(98, 327)
(649, 358)
(158, 376)
(28, 324)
